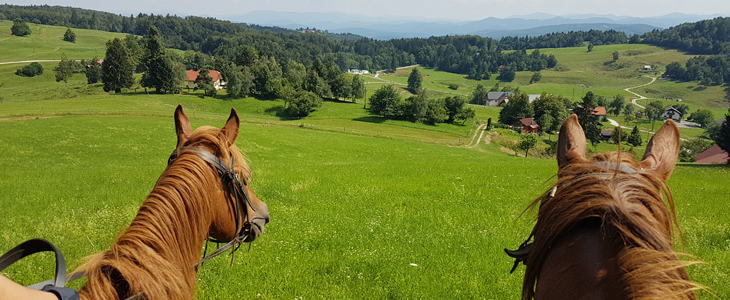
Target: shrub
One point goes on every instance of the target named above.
(69, 36)
(20, 28)
(33, 69)
(454, 86)
(303, 103)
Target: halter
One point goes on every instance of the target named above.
(522, 252)
(236, 194)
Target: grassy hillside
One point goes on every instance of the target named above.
(355, 199)
(46, 42)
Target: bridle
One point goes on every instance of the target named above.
(523, 251)
(234, 191)
(237, 195)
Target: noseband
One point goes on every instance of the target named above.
(521, 254)
(236, 194)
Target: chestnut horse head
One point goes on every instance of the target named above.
(604, 230)
(202, 193)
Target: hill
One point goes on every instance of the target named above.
(390, 27)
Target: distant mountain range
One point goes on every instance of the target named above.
(397, 27)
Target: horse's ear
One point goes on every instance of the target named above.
(182, 126)
(230, 130)
(571, 142)
(662, 150)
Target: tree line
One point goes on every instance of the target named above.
(703, 37)
(564, 39)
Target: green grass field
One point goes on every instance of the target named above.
(354, 199)
(46, 42)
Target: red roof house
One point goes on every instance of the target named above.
(714, 155)
(193, 74)
(527, 124)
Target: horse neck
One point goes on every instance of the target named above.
(155, 255)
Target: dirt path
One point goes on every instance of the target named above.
(28, 61)
(637, 95)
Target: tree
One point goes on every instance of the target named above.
(535, 77)
(205, 82)
(64, 70)
(116, 71)
(296, 73)
(385, 101)
(415, 80)
(634, 138)
(33, 69)
(157, 64)
(527, 142)
(507, 74)
(619, 135)
(465, 114)
(479, 96)
(69, 36)
(550, 112)
(240, 81)
(723, 136)
(617, 105)
(628, 110)
(454, 105)
(615, 55)
(590, 46)
(93, 71)
(340, 87)
(316, 85)
(20, 28)
(588, 120)
(702, 116)
(654, 111)
(688, 149)
(303, 103)
(358, 89)
(517, 108)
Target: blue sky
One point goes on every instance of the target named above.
(432, 9)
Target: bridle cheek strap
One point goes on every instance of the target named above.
(235, 192)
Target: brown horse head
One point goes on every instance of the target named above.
(221, 143)
(604, 230)
(156, 256)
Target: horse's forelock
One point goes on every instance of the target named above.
(632, 204)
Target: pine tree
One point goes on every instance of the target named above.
(415, 80)
(635, 138)
(116, 71)
(69, 36)
(159, 72)
(588, 120)
(93, 71)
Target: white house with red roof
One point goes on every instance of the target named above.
(193, 74)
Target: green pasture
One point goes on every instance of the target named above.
(46, 42)
(350, 213)
(355, 199)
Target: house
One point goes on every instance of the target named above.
(606, 135)
(646, 68)
(714, 155)
(526, 125)
(600, 112)
(534, 97)
(498, 98)
(192, 74)
(671, 113)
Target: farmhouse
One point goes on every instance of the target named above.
(606, 135)
(646, 68)
(533, 97)
(192, 74)
(714, 155)
(671, 113)
(526, 125)
(498, 98)
(358, 71)
(600, 112)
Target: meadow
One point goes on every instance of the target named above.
(361, 207)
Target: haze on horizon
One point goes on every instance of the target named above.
(457, 10)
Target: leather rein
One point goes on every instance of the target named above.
(231, 184)
(523, 251)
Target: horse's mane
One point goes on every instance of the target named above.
(630, 204)
(154, 256)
